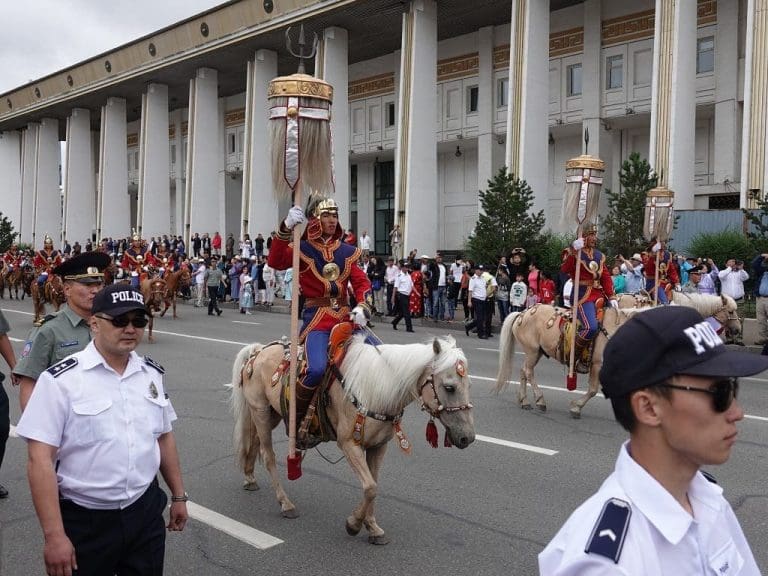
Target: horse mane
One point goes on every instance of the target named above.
(705, 304)
(383, 378)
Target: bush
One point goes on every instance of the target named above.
(548, 251)
(720, 246)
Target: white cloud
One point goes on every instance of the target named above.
(41, 37)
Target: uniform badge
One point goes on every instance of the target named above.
(153, 390)
(27, 347)
(608, 535)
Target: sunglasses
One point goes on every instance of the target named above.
(123, 321)
(723, 392)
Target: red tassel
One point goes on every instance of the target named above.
(570, 382)
(294, 467)
(432, 434)
(447, 441)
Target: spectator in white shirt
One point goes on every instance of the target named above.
(402, 293)
(732, 279)
(365, 243)
(632, 270)
(199, 275)
(389, 277)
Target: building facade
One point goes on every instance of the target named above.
(168, 134)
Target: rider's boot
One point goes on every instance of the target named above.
(304, 397)
(583, 355)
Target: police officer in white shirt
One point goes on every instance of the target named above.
(98, 428)
(402, 296)
(390, 276)
(658, 513)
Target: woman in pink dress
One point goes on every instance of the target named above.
(416, 301)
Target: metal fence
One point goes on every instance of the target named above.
(693, 222)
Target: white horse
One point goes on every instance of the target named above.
(722, 308)
(364, 409)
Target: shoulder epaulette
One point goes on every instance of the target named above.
(608, 535)
(47, 318)
(708, 476)
(60, 367)
(149, 362)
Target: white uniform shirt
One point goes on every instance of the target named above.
(477, 287)
(365, 242)
(732, 282)
(104, 425)
(662, 538)
(404, 283)
(391, 274)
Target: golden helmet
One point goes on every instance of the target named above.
(327, 206)
(47, 241)
(589, 229)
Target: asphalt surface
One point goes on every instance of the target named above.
(486, 510)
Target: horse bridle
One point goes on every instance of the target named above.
(435, 412)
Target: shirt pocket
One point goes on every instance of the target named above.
(727, 561)
(93, 421)
(154, 414)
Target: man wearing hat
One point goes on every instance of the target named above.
(401, 296)
(595, 286)
(327, 267)
(67, 332)
(135, 258)
(669, 277)
(632, 270)
(694, 277)
(98, 430)
(45, 260)
(658, 513)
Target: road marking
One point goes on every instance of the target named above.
(600, 394)
(243, 532)
(241, 322)
(191, 337)
(517, 445)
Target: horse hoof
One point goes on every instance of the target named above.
(351, 530)
(291, 513)
(381, 540)
(541, 407)
(575, 414)
(525, 406)
(251, 486)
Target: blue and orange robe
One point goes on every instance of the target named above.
(595, 284)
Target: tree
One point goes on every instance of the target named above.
(506, 221)
(758, 231)
(7, 235)
(623, 225)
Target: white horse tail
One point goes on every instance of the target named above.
(506, 352)
(245, 432)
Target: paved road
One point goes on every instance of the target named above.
(486, 510)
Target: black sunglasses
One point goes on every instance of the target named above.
(124, 320)
(723, 392)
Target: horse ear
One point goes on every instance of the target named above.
(436, 346)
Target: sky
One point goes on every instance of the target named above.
(43, 36)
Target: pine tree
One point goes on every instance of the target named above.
(506, 221)
(622, 227)
(7, 235)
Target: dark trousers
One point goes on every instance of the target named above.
(5, 419)
(127, 542)
(390, 306)
(479, 308)
(403, 300)
(213, 301)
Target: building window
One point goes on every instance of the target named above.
(724, 202)
(614, 72)
(384, 199)
(390, 114)
(705, 55)
(353, 197)
(231, 138)
(136, 160)
(473, 93)
(574, 80)
(173, 153)
(502, 92)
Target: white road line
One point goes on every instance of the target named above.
(191, 337)
(241, 322)
(243, 532)
(508, 444)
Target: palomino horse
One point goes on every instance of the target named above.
(382, 380)
(52, 292)
(722, 308)
(175, 281)
(153, 290)
(537, 330)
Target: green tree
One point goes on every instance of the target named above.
(758, 231)
(506, 221)
(622, 227)
(548, 251)
(7, 235)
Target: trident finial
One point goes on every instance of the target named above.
(586, 140)
(302, 43)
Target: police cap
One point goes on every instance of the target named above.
(86, 268)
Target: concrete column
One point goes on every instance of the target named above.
(47, 194)
(10, 177)
(154, 206)
(673, 98)
(416, 154)
(179, 178)
(485, 136)
(113, 216)
(203, 155)
(528, 99)
(28, 163)
(79, 189)
(600, 140)
(333, 67)
(754, 160)
(366, 203)
(727, 143)
(260, 209)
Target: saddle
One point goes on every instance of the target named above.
(566, 325)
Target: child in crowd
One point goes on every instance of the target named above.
(517, 294)
(531, 300)
(246, 302)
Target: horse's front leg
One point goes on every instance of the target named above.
(357, 460)
(594, 384)
(374, 457)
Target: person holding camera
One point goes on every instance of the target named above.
(732, 279)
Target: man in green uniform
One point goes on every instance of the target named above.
(68, 331)
(5, 416)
